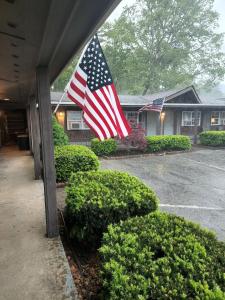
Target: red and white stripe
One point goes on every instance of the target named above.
(102, 111)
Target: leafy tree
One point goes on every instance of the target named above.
(159, 44)
(63, 79)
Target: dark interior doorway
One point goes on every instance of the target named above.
(12, 124)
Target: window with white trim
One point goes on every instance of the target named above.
(134, 118)
(188, 118)
(75, 121)
(218, 118)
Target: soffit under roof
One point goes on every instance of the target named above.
(43, 33)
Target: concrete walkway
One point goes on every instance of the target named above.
(31, 266)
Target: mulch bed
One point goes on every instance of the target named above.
(84, 265)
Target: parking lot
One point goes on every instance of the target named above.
(191, 184)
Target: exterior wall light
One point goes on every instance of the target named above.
(163, 114)
(61, 117)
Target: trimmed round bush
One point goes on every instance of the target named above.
(97, 199)
(161, 256)
(60, 138)
(106, 147)
(168, 143)
(212, 138)
(73, 158)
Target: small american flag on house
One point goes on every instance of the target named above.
(92, 89)
(156, 105)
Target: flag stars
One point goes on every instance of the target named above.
(95, 66)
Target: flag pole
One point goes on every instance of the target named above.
(57, 106)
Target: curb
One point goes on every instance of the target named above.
(143, 155)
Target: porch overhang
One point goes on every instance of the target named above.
(43, 33)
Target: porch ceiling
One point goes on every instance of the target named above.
(43, 33)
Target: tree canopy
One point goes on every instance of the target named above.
(160, 44)
(61, 82)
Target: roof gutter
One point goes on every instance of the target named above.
(166, 105)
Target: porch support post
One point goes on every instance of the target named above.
(196, 127)
(35, 133)
(175, 122)
(29, 128)
(158, 125)
(45, 113)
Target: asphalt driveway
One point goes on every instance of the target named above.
(191, 184)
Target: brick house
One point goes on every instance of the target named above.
(183, 113)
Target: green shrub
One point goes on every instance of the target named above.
(73, 158)
(97, 199)
(168, 143)
(106, 147)
(212, 138)
(161, 256)
(59, 136)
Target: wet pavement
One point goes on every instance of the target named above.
(190, 184)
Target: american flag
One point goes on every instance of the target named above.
(156, 105)
(92, 89)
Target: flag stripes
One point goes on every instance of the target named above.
(92, 89)
(107, 116)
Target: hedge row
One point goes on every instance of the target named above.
(73, 158)
(154, 144)
(161, 256)
(145, 254)
(97, 199)
(106, 147)
(168, 143)
(212, 138)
